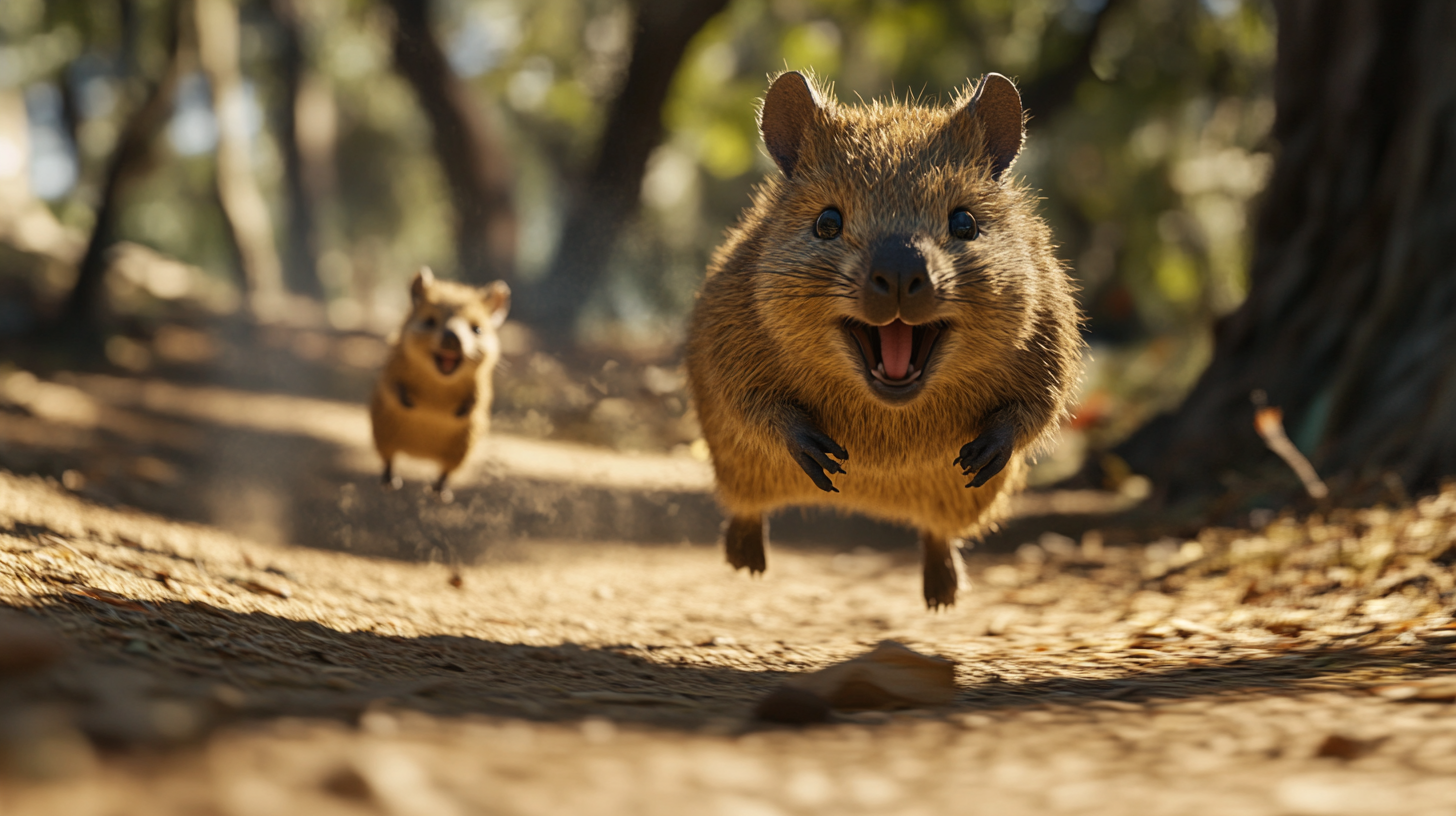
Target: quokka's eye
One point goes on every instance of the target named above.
(431, 323)
(963, 225)
(829, 224)
(475, 328)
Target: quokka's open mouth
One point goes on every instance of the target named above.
(447, 361)
(895, 354)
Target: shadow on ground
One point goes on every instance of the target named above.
(143, 672)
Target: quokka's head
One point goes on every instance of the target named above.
(451, 328)
(895, 245)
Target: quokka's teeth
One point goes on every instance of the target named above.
(881, 368)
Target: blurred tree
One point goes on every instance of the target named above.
(608, 198)
(474, 162)
(1056, 84)
(77, 318)
(1348, 325)
(301, 182)
(218, 41)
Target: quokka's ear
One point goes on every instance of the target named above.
(498, 297)
(788, 113)
(420, 286)
(995, 110)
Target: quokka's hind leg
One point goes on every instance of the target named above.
(938, 556)
(446, 496)
(743, 542)
(389, 480)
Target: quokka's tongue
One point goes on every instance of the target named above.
(895, 349)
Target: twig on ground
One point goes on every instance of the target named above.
(1269, 422)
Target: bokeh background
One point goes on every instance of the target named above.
(288, 164)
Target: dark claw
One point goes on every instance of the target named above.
(809, 447)
(815, 472)
(824, 461)
(987, 454)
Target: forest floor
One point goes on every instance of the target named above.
(214, 609)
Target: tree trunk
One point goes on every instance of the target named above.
(473, 161)
(79, 316)
(300, 265)
(218, 40)
(1348, 325)
(608, 199)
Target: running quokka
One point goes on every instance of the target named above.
(886, 329)
(433, 398)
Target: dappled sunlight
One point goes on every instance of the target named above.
(1227, 588)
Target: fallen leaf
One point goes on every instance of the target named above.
(1442, 687)
(891, 676)
(112, 598)
(263, 589)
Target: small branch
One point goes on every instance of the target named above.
(1269, 422)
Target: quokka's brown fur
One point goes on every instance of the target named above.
(433, 397)
(785, 394)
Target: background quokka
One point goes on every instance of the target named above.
(886, 329)
(433, 398)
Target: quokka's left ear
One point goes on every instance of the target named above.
(498, 297)
(790, 111)
(420, 286)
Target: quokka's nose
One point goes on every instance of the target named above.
(450, 340)
(897, 284)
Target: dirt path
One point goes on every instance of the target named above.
(209, 673)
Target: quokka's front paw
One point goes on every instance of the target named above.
(987, 454)
(811, 449)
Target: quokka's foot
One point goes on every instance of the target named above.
(939, 560)
(445, 494)
(743, 542)
(389, 480)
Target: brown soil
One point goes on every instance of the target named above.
(277, 635)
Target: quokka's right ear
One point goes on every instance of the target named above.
(420, 286)
(995, 111)
(788, 113)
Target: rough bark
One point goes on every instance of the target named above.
(78, 317)
(301, 249)
(474, 163)
(608, 198)
(1348, 325)
(243, 205)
